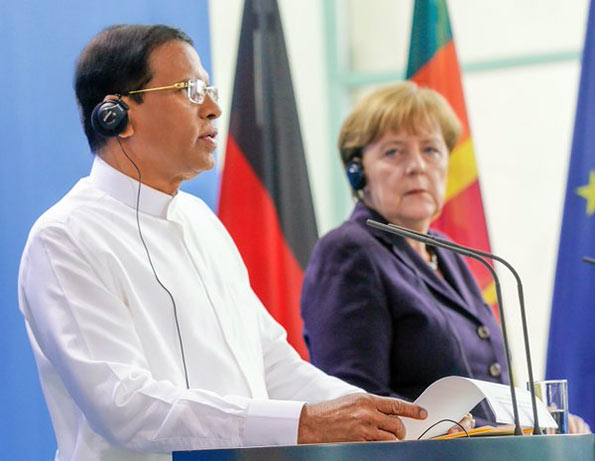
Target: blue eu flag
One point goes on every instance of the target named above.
(571, 352)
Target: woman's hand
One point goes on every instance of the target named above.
(577, 425)
(467, 422)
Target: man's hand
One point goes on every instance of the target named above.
(356, 417)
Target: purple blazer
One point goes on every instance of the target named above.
(376, 315)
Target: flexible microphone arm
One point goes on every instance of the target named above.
(431, 240)
(521, 296)
(589, 260)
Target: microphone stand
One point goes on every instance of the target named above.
(435, 241)
(521, 296)
(589, 260)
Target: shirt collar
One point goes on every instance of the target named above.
(125, 189)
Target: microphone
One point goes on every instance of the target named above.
(479, 256)
(589, 260)
(521, 297)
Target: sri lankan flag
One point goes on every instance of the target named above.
(265, 199)
(433, 63)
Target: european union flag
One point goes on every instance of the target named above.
(571, 352)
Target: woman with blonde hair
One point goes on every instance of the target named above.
(384, 313)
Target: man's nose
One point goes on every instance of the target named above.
(209, 108)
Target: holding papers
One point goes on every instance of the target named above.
(452, 397)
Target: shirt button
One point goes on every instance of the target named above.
(483, 332)
(495, 369)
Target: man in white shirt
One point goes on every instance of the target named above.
(147, 335)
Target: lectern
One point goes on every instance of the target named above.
(513, 448)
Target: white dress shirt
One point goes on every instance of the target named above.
(104, 335)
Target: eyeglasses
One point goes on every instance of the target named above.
(196, 90)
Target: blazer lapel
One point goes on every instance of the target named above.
(437, 285)
(461, 282)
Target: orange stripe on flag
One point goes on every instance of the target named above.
(462, 169)
(442, 74)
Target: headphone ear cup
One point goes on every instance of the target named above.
(355, 174)
(109, 118)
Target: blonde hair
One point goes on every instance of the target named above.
(402, 106)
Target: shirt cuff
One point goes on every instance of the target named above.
(272, 422)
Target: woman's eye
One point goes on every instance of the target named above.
(391, 152)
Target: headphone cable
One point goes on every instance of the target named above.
(151, 262)
(456, 423)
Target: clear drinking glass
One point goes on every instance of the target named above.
(554, 394)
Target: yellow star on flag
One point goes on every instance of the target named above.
(588, 193)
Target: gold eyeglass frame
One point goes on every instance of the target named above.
(212, 91)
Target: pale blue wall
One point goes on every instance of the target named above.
(43, 152)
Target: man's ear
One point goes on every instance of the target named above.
(129, 129)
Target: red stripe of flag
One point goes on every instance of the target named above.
(265, 200)
(275, 275)
(468, 227)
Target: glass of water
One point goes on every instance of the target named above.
(554, 394)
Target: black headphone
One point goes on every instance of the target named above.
(355, 170)
(109, 118)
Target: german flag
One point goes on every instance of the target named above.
(433, 63)
(265, 199)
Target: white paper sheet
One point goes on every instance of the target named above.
(500, 401)
(454, 396)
